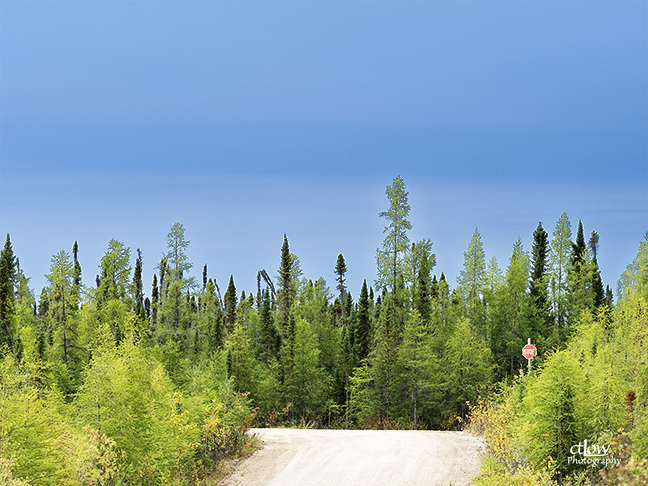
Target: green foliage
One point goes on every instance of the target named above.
(230, 300)
(31, 427)
(550, 425)
(8, 275)
(468, 367)
(389, 259)
(363, 327)
(539, 281)
(242, 361)
(340, 271)
(382, 361)
(560, 254)
(636, 274)
(415, 367)
(364, 401)
(138, 288)
(471, 281)
(97, 390)
(177, 262)
(309, 381)
(115, 272)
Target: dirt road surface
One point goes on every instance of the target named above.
(298, 457)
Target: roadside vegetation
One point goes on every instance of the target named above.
(104, 384)
(593, 388)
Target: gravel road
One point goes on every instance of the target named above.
(298, 457)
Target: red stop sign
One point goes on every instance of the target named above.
(529, 351)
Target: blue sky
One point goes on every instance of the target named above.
(245, 120)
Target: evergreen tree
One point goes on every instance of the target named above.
(383, 360)
(76, 278)
(286, 294)
(8, 276)
(363, 329)
(597, 283)
(609, 298)
(214, 317)
(422, 300)
(443, 314)
(538, 285)
(230, 301)
(163, 281)
(155, 302)
(579, 278)
(269, 334)
(340, 271)
(138, 288)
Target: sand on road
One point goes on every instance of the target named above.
(306, 457)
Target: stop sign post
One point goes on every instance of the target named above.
(529, 351)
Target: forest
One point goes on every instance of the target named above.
(104, 385)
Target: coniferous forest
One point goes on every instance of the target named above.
(102, 384)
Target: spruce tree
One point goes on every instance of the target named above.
(383, 359)
(538, 285)
(422, 301)
(268, 329)
(138, 288)
(286, 291)
(597, 283)
(340, 270)
(363, 329)
(76, 277)
(609, 297)
(155, 302)
(8, 276)
(77, 266)
(163, 283)
(230, 301)
(579, 278)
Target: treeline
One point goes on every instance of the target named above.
(169, 381)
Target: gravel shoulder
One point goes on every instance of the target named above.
(299, 457)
